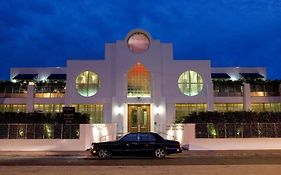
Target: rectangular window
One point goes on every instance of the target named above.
(48, 108)
(224, 107)
(95, 111)
(263, 107)
(183, 109)
(12, 108)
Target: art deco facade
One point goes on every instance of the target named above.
(139, 85)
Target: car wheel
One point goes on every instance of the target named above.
(104, 154)
(160, 153)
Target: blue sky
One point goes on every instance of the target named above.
(43, 33)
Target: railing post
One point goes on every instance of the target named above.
(275, 131)
(25, 134)
(69, 136)
(224, 130)
(61, 131)
(242, 132)
(34, 125)
(8, 131)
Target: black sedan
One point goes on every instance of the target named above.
(147, 143)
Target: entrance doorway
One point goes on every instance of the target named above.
(138, 117)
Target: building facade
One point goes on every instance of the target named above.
(139, 86)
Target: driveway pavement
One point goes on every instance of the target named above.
(188, 163)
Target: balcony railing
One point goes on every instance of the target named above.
(221, 90)
(49, 91)
(264, 94)
(13, 92)
(264, 90)
(228, 94)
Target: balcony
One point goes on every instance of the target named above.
(49, 91)
(266, 90)
(228, 88)
(13, 91)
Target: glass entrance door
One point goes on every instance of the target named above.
(138, 117)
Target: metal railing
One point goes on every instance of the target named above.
(264, 94)
(39, 131)
(13, 92)
(228, 94)
(107, 138)
(238, 130)
(49, 91)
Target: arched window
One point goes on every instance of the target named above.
(138, 81)
(87, 83)
(190, 83)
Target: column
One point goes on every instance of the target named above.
(30, 97)
(210, 97)
(247, 97)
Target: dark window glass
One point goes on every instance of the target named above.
(130, 138)
(157, 137)
(146, 138)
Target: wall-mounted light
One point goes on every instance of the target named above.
(158, 110)
(119, 110)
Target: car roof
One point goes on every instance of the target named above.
(141, 133)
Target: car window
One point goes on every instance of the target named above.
(146, 137)
(157, 137)
(130, 138)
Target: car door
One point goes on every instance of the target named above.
(127, 144)
(145, 143)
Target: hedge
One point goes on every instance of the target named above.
(35, 117)
(232, 117)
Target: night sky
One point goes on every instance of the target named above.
(44, 33)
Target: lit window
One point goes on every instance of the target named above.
(138, 42)
(87, 83)
(12, 108)
(263, 107)
(138, 81)
(190, 83)
(224, 107)
(48, 108)
(95, 111)
(184, 109)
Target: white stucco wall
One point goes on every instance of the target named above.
(88, 133)
(185, 133)
(164, 69)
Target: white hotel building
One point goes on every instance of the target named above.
(139, 86)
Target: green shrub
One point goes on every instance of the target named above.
(232, 117)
